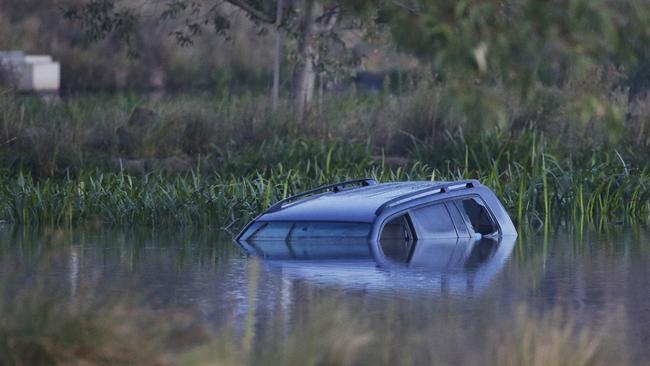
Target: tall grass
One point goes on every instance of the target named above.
(534, 185)
(218, 161)
(426, 125)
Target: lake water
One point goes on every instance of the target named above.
(597, 278)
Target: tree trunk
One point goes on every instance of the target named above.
(275, 93)
(304, 79)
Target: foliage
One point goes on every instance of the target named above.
(242, 63)
(314, 29)
(218, 133)
(534, 185)
(518, 41)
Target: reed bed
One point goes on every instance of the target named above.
(534, 185)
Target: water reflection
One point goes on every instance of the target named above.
(315, 249)
(443, 266)
(590, 275)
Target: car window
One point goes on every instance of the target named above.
(271, 230)
(343, 248)
(433, 222)
(477, 215)
(459, 221)
(305, 230)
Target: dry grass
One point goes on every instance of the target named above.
(83, 133)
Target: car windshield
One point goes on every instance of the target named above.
(309, 240)
(282, 230)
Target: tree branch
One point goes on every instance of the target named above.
(326, 22)
(257, 14)
(414, 9)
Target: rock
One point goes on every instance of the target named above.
(100, 139)
(126, 141)
(142, 117)
(130, 136)
(197, 136)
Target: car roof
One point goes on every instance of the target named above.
(359, 204)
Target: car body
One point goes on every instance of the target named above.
(390, 221)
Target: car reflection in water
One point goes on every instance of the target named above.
(457, 266)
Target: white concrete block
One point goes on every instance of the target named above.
(34, 73)
(38, 59)
(39, 77)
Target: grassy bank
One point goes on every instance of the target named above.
(534, 185)
(431, 125)
(207, 160)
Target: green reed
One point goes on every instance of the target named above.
(534, 186)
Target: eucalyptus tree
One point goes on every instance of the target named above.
(315, 26)
(515, 40)
(526, 46)
(470, 44)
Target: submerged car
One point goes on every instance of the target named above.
(391, 222)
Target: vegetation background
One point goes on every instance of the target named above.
(539, 98)
(202, 113)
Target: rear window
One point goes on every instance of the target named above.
(305, 230)
(478, 216)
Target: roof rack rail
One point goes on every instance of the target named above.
(442, 188)
(336, 187)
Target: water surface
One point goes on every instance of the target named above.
(596, 277)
